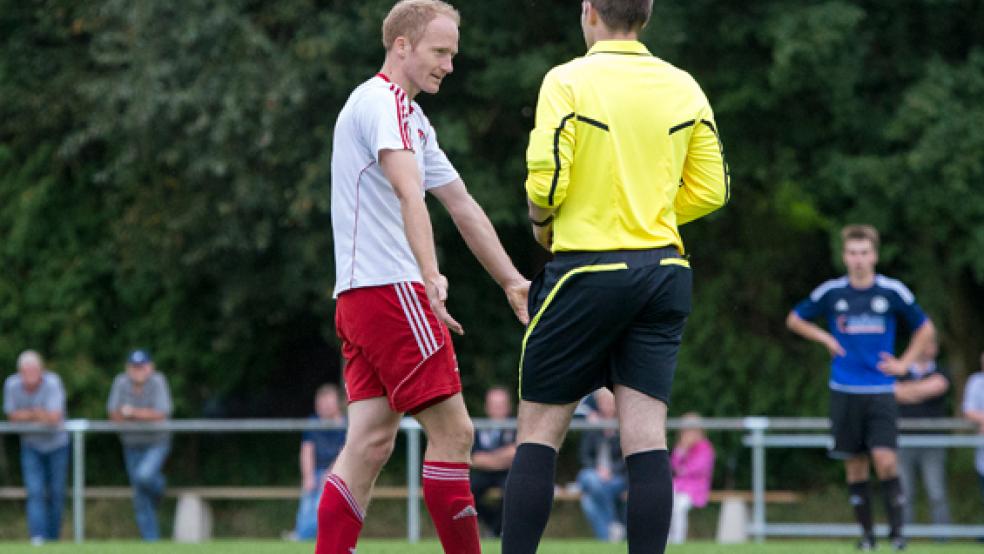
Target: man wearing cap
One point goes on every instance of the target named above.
(36, 395)
(141, 394)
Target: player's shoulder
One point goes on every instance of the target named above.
(828, 286)
(51, 378)
(894, 286)
(373, 94)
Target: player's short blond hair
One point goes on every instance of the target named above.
(860, 232)
(409, 18)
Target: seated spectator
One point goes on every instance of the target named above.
(318, 452)
(603, 477)
(921, 393)
(492, 454)
(141, 394)
(692, 462)
(973, 409)
(36, 395)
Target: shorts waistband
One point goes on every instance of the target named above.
(632, 258)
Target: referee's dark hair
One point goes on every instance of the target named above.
(624, 15)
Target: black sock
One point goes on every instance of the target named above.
(861, 501)
(650, 503)
(894, 503)
(528, 498)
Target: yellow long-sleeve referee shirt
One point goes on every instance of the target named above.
(625, 149)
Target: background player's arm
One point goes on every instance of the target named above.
(307, 466)
(921, 338)
(913, 392)
(705, 185)
(812, 331)
(482, 240)
(400, 169)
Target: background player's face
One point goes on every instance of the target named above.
(860, 257)
(30, 374)
(326, 405)
(430, 59)
(497, 404)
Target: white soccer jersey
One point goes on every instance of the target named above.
(371, 247)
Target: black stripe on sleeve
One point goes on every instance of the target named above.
(724, 162)
(682, 126)
(593, 122)
(556, 153)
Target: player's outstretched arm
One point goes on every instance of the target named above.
(812, 331)
(400, 168)
(482, 240)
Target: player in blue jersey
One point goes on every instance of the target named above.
(863, 311)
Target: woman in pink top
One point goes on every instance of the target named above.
(692, 462)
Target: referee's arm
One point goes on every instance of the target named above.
(551, 149)
(705, 185)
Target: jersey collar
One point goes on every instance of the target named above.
(624, 47)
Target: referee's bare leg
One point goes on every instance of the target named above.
(530, 486)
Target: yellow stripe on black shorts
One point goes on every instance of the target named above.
(602, 318)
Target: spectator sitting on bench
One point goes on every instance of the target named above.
(603, 477)
(318, 452)
(492, 454)
(692, 462)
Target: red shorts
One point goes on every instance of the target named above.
(395, 346)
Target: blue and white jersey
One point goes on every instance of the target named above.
(864, 322)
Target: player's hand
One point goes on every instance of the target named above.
(890, 365)
(834, 347)
(544, 235)
(437, 294)
(517, 292)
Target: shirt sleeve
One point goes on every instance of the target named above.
(162, 400)
(384, 122)
(551, 148)
(705, 184)
(55, 402)
(115, 396)
(438, 170)
(973, 400)
(905, 305)
(8, 396)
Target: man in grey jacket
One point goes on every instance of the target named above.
(141, 394)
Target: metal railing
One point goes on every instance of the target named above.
(757, 439)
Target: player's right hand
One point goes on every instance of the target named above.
(437, 294)
(518, 293)
(834, 347)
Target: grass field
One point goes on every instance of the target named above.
(430, 547)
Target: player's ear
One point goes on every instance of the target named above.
(402, 46)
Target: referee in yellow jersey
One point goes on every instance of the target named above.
(625, 150)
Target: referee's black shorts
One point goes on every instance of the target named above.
(861, 422)
(603, 318)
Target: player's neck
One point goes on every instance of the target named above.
(395, 75)
(861, 280)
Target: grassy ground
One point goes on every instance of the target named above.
(429, 547)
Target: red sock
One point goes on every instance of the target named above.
(452, 507)
(339, 519)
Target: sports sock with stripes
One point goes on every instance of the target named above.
(447, 494)
(650, 503)
(860, 497)
(528, 498)
(339, 519)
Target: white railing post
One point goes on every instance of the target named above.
(757, 426)
(78, 427)
(413, 479)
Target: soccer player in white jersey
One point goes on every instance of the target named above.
(390, 311)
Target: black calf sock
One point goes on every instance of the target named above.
(861, 501)
(891, 491)
(528, 498)
(650, 502)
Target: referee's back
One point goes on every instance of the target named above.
(625, 148)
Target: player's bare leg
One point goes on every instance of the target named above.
(858, 470)
(447, 490)
(642, 429)
(530, 485)
(372, 429)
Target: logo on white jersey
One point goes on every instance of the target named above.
(841, 305)
(879, 304)
(469, 511)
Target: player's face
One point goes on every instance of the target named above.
(860, 257)
(326, 405)
(497, 404)
(430, 59)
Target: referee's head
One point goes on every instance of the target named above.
(616, 16)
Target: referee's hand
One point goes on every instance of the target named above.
(437, 294)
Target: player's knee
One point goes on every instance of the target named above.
(454, 439)
(376, 450)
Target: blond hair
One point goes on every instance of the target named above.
(409, 18)
(860, 232)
